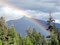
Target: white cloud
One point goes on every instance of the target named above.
(38, 14)
(10, 13)
(44, 16)
(57, 21)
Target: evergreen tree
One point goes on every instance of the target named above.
(3, 28)
(37, 37)
(8, 36)
(49, 42)
(14, 41)
(19, 40)
(44, 41)
(34, 33)
(13, 35)
(28, 41)
(29, 32)
(13, 32)
(54, 40)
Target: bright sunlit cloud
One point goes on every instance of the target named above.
(10, 13)
(57, 21)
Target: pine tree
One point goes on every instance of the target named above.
(14, 41)
(28, 41)
(33, 40)
(29, 32)
(37, 37)
(54, 40)
(34, 33)
(13, 35)
(19, 40)
(4, 30)
(44, 41)
(13, 32)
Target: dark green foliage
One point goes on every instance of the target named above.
(54, 40)
(19, 41)
(37, 36)
(8, 36)
(44, 41)
(27, 41)
(29, 32)
(3, 29)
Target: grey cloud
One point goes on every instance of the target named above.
(44, 16)
(38, 9)
(42, 5)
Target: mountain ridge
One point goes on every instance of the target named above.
(22, 24)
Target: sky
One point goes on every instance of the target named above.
(38, 9)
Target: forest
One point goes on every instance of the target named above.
(8, 36)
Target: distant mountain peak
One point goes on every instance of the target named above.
(22, 24)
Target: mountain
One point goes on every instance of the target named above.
(22, 24)
(45, 22)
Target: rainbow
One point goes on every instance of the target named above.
(27, 15)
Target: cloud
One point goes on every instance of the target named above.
(37, 14)
(57, 21)
(10, 13)
(44, 16)
(41, 5)
(38, 9)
